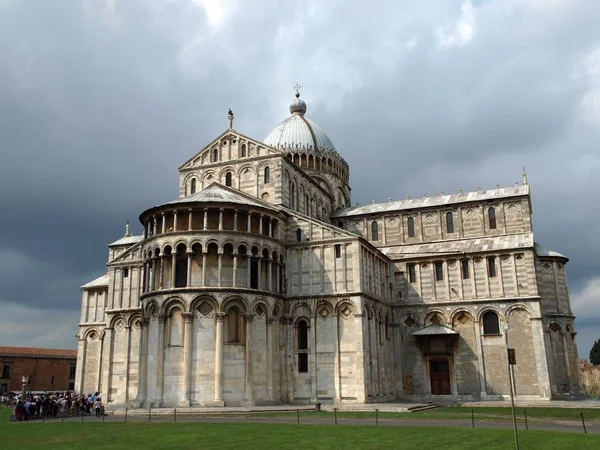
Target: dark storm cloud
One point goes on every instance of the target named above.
(101, 101)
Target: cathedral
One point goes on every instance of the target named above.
(261, 284)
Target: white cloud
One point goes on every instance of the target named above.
(586, 302)
(462, 31)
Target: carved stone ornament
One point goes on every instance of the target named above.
(358, 224)
(470, 212)
(393, 220)
(429, 217)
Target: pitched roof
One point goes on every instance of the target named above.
(542, 251)
(38, 352)
(217, 193)
(127, 240)
(491, 243)
(98, 282)
(434, 330)
(440, 200)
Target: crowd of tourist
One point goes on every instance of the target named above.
(53, 405)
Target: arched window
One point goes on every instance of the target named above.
(492, 218)
(228, 179)
(215, 155)
(449, 222)
(491, 323)
(411, 227)
(267, 177)
(302, 346)
(193, 186)
(243, 150)
(374, 231)
(235, 326)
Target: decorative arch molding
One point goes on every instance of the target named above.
(235, 300)
(435, 314)
(173, 302)
(204, 306)
(458, 316)
(152, 309)
(517, 306)
(261, 308)
(301, 309)
(189, 177)
(242, 170)
(118, 321)
(226, 169)
(135, 320)
(324, 309)
(91, 334)
(487, 308)
(554, 326)
(410, 320)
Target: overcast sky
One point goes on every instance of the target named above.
(101, 101)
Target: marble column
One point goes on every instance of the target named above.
(204, 253)
(278, 286)
(190, 219)
(220, 269)
(249, 223)
(219, 361)
(259, 264)
(260, 224)
(337, 395)
(160, 360)
(235, 220)
(173, 271)
(270, 320)
(161, 273)
(269, 274)
(249, 269)
(187, 358)
(154, 225)
(190, 254)
(220, 219)
(126, 363)
(205, 223)
(143, 362)
(480, 362)
(163, 228)
(313, 357)
(174, 220)
(249, 397)
(234, 281)
(270, 227)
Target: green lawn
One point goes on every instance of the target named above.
(450, 412)
(131, 436)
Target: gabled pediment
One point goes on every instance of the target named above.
(227, 140)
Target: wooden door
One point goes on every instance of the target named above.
(439, 375)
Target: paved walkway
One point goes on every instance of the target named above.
(563, 426)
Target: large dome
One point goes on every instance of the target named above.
(298, 132)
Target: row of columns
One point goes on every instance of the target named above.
(152, 227)
(157, 263)
(187, 360)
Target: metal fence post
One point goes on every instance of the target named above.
(583, 422)
(526, 424)
(472, 418)
(298, 416)
(175, 415)
(376, 417)
(335, 414)
(150, 413)
(125, 415)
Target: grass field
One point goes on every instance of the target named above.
(454, 412)
(132, 436)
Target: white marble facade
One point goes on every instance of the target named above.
(261, 285)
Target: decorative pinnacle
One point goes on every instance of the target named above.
(297, 87)
(127, 231)
(230, 117)
(524, 176)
